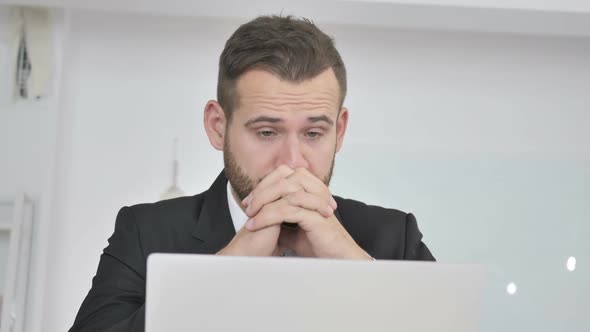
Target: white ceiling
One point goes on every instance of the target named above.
(549, 17)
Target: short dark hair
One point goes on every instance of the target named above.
(294, 49)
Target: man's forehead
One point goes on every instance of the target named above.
(259, 83)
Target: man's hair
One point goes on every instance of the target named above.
(293, 49)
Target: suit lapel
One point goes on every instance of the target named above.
(214, 225)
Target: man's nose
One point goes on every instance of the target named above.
(292, 154)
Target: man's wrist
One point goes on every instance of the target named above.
(226, 251)
(361, 254)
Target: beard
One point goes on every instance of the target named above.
(244, 184)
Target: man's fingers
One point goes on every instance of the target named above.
(312, 184)
(293, 195)
(281, 172)
(288, 208)
(310, 202)
(278, 190)
(285, 182)
(279, 211)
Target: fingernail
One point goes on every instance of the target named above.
(334, 202)
(246, 200)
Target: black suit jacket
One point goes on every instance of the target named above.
(202, 224)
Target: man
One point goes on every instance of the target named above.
(279, 121)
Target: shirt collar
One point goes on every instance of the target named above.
(238, 216)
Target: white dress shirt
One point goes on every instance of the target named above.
(238, 216)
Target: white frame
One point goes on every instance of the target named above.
(18, 266)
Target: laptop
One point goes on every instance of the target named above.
(187, 292)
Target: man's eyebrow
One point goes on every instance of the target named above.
(312, 119)
(321, 118)
(262, 119)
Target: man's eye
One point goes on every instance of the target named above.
(266, 133)
(313, 134)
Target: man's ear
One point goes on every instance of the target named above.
(215, 124)
(341, 125)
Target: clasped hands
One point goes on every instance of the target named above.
(298, 197)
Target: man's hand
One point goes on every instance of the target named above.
(263, 242)
(254, 243)
(303, 199)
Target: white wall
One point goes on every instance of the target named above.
(483, 137)
(113, 130)
(28, 133)
(23, 126)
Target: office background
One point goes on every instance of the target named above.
(482, 133)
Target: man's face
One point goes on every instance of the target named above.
(282, 123)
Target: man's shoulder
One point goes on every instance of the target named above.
(163, 226)
(380, 231)
(178, 204)
(169, 212)
(350, 208)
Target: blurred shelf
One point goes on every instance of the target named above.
(550, 17)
